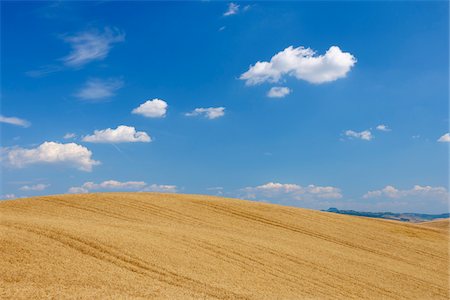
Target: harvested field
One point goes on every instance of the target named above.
(149, 245)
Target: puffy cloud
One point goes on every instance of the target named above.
(36, 187)
(363, 135)
(91, 45)
(423, 192)
(155, 108)
(14, 121)
(210, 113)
(233, 9)
(283, 191)
(383, 127)
(96, 89)
(122, 134)
(278, 92)
(51, 153)
(7, 196)
(303, 64)
(445, 138)
(127, 185)
(69, 136)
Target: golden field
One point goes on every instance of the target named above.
(148, 245)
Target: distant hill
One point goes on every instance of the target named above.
(173, 246)
(404, 217)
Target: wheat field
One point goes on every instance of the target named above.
(438, 224)
(149, 245)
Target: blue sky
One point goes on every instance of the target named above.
(340, 104)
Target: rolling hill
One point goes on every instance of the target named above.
(443, 224)
(149, 245)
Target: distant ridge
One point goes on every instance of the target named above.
(404, 217)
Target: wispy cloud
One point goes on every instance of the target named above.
(289, 191)
(69, 136)
(96, 89)
(86, 47)
(210, 112)
(90, 46)
(233, 9)
(122, 186)
(14, 121)
(36, 187)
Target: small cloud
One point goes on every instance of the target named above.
(287, 191)
(365, 135)
(303, 64)
(222, 28)
(155, 108)
(233, 9)
(383, 127)
(424, 192)
(124, 186)
(72, 154)
(417, 136)
(247, 7)
(96, 89)
(161, 188)
(122, 134)
(36, 187)
(445, 138)
(278, 92)
(210, 113)
(7, 196)
(69, 136)
(91, 45)
(14, 121)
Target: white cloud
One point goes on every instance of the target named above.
(127, 185)
(161, 188)
(7, 196)
(210, 113)
(14, 121)
(50, 152)
(363, 135)
(89, 46)
(96, 89)
(122, 134)
(303, 64)
(69, 136)
(36, 187)
(383, 127)
(155, 108)
(427, 193)
(287, 191)
(445, 138)
(278, 92)
(233, 9)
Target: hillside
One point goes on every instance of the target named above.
(145, 245)
(438, 224)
